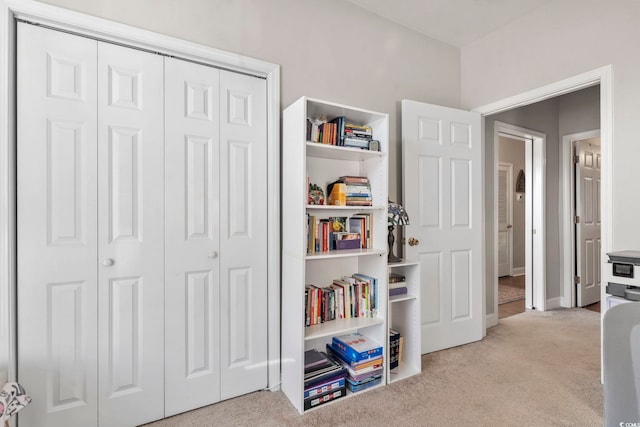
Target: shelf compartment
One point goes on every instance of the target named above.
(401, 372)
(401, 297)
(335, 152)
(339, 327)
(344, 253)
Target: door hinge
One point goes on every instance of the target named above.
(576, 220)
(576, 159)
(576, 280)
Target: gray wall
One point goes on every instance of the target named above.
(571, 113)
(512, 151)
(331, 50)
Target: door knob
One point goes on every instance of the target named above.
(213, 254)
(107, 262)
(413, 242)
(509, 226)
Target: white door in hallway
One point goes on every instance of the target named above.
(505, 218)
(588, 226)
(442, 181)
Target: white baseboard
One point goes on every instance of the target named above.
(554, 303)
(520, 271)
(492, 320)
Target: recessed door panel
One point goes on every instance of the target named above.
(240, 188)
(65, 346)
(460, 193)
(461, 285)
(124, 183)
(429, 170)
(125, 325)
(67, 188)
(430, 291)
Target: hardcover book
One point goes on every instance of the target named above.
(357, 347)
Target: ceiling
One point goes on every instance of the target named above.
(455, 22)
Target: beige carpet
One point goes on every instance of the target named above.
(533, 369)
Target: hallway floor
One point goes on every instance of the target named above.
(516, 307)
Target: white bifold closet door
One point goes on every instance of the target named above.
(215, 269)
(90, 236)
(142, 224)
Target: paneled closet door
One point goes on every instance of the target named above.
(243, 234)
(56, 226)
(130, 236)
(192, 239)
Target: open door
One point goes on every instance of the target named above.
(442, 181)
(505, 218)
(587, 222)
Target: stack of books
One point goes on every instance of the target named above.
(324, 379)
(361, 357)
(397, 284)
(358, 190)
(357, 136)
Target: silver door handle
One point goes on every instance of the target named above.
(213, 254)
(107, 262)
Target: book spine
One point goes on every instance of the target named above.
(319, 400)
(324, 388)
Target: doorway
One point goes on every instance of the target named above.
(565, 110)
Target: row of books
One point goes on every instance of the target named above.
(350, 191)
(324, 379)
(336, 233)
(338, 131)
(361, 356)
(346, 298)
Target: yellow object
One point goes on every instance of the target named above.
(338, 196)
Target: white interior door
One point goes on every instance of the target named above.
(57, 227)
(192, 266)
(588, 226)
(130, 236)
(243, 234)
(442, 163)
(505, 218)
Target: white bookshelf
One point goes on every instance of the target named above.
(404, 317)
(323, 164)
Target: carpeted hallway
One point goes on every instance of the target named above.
(533, 369)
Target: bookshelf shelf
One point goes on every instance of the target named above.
(339, 327)
(324, 151)
(400, 298)
(308, 163)
(404, 317)
(346, 253)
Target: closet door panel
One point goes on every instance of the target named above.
(130, 235)
(56, 163)
(243, 237)
(192, 262)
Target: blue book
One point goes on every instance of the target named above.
(356, 347)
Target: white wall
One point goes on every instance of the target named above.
(564, 39)
(330, 50)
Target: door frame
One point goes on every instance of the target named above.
(535, 218)
(603, 77)
(567, 212)
(106, 30)
(509, 195)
